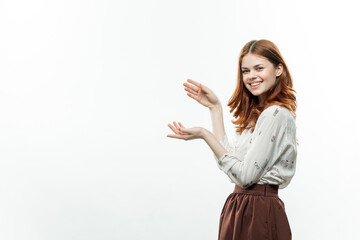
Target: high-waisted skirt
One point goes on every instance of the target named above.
(254, 213)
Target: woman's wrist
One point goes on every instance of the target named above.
(205, 133)
(216, 107)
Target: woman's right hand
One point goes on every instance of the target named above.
(201, 93)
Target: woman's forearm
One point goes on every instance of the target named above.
(217, 120)
(213, 143)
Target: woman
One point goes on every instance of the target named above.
(262, 157)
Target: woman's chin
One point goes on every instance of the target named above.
(255, 93)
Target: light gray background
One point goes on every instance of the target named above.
(88, 88)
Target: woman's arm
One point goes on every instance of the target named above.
(217, 120)
(213, 143)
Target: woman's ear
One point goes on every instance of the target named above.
(279, 70)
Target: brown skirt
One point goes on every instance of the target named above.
(254, 213)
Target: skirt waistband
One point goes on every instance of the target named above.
(266, 190)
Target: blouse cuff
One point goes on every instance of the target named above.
(226, 161)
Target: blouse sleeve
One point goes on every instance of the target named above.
(266, 141)
(287, 157)
(225, 143)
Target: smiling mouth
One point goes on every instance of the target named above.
(254, 84)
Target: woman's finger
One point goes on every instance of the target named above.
(181, 125)
(178, 129)
(173, 129)
(195, 97)
(191, 91)
(199, 85)
(175, 136)
(175, 124)
(193, 82)
(195, 89)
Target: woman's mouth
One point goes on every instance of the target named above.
(255, 85)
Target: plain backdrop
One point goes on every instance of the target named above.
(87, 89)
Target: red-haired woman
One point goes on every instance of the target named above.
(262, 157)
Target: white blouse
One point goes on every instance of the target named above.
(268, 155)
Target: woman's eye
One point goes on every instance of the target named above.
(258, 68)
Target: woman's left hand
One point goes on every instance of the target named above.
(185, 133)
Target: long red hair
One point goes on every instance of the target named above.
(246, 106)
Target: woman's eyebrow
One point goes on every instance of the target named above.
(254, 66)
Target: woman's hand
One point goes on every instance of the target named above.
(201, 93)
(185, 133)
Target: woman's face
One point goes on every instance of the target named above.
(257, 69)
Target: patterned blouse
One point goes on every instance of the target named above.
(268, 155)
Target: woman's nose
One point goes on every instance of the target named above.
(252, 75)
